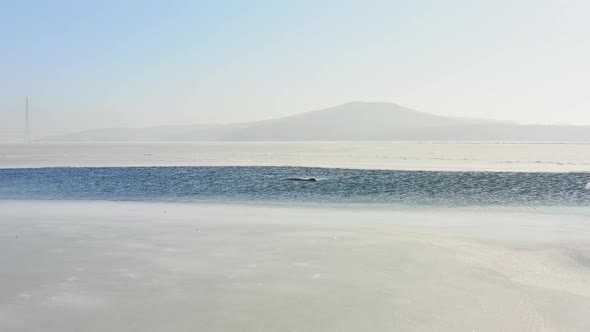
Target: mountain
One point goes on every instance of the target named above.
(355, 121)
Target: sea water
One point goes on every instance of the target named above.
(272, 184)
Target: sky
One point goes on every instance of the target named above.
(95, 64)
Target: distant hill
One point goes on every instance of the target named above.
(355, 121)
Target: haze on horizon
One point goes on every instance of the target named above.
(100, 64)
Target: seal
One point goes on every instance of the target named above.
(299, 179)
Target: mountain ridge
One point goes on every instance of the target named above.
(353, 121)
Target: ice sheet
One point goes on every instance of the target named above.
(98, 266)
(366, 155)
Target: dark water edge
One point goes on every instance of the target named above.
(267, 185)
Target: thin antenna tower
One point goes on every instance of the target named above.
(27, 124)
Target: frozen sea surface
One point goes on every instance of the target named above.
(363, 155)
(115, 266)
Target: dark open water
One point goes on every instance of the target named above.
(267, 184)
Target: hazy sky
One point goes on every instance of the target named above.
(89, 64)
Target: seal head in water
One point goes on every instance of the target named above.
(299, 179)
